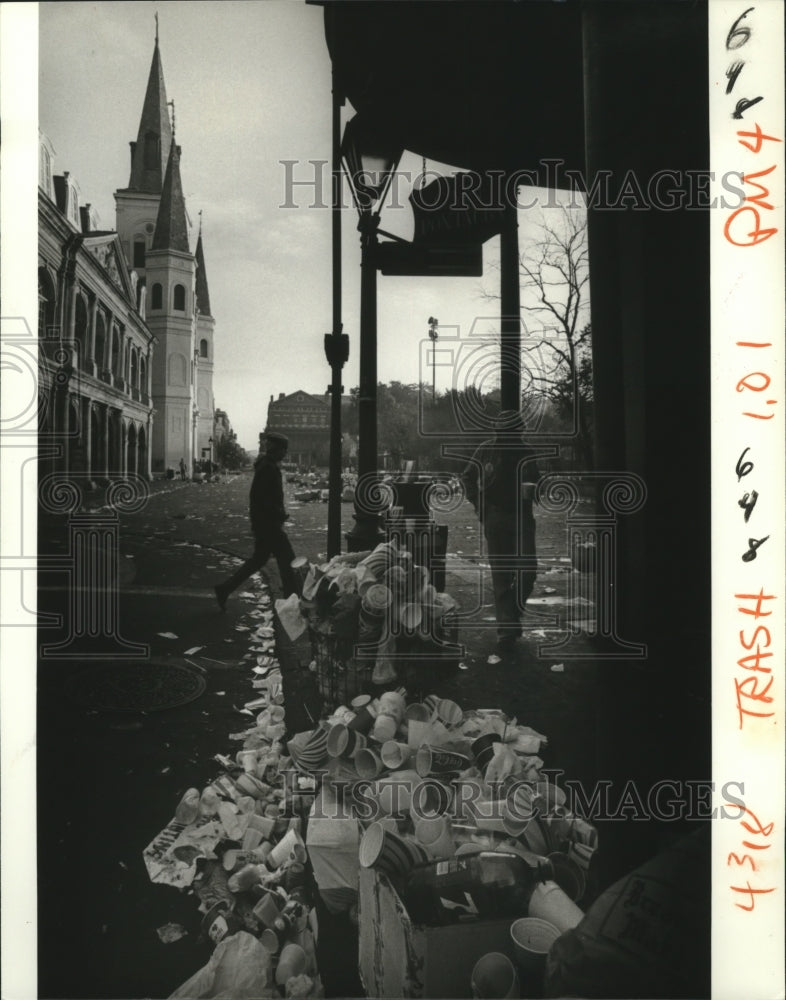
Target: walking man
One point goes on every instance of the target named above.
(182, 469)
(500, 482)
(267, 514)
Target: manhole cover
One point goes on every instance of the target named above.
(136, 687)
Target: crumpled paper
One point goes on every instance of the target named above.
(171, 857)
(288, 611)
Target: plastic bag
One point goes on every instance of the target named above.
(239, 969)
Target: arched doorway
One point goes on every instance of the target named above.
(131, 449)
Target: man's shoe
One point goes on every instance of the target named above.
(221, 596)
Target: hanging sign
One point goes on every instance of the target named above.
(464, 208)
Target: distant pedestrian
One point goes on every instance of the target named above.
(500, 484)
(267, 514)
(182, 469)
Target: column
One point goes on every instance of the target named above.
(510, 345)
(148, 471)
(123, 466)
(87, 439)
(105, 442)
(110, 329)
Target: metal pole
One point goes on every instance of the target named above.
(365, 533)
(334, 351)
(510, 347)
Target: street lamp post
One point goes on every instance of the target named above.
(433, 324)
(370, 162)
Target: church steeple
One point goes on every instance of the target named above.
(171, 226)
(202, 293)
(150, 152)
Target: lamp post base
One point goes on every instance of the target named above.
(365, 534)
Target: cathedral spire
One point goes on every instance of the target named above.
(150, 152)
(202, 293)
(171, 226)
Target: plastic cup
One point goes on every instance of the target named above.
(551, 904)
(367, 763)
(385, 728)
(436, 836)
(494, 976)
(532, 940)
(431, 760)
(384, 850)
(449, 712)
(395, 755)
(289, 848)
(292, 961)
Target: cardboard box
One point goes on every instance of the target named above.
(332, 841)
(401, 959)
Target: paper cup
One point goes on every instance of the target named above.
(532, 940)
(417, 712)
(364, 718)
(483, 749)
(264, 824)
(449, 712)
(430, 798)
(568, 875)
(367, 763)
(436, 836)
(292, 961)
(269, 941)
(247, 784)
(417, 733)
(268, 908)
(388, 853)
(410, 616)
(393, 794)
(344, 742)
(248, 760)
(431, 703)
(314, 754)
(431, 760)
(551, 904)
(289, 848)
(385, 728)
(395, 755)
(494, 976)
(251, 838)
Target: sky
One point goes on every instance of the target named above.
(251, 86)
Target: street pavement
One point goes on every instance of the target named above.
(109, 780)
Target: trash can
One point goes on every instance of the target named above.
(412, 524)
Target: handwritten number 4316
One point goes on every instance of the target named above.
(748, 502)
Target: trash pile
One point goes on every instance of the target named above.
(238, 845)
(372, 616)
(433, 827)
(425, 816)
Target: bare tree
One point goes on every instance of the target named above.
(554, 265)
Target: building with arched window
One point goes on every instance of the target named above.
(126, 355)
(94, 342)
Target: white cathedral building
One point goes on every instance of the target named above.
(125, 321)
